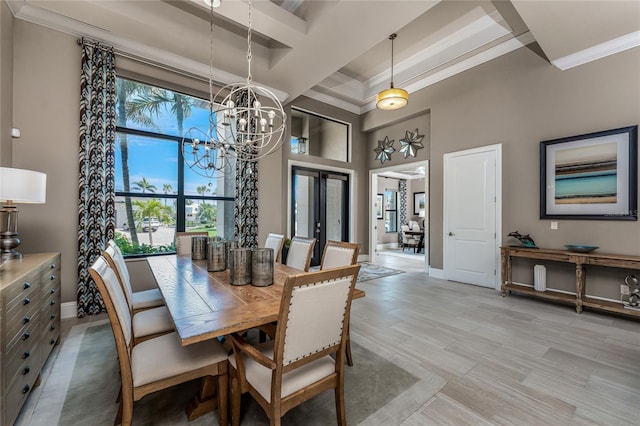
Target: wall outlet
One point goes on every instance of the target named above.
(554, 225)
(624, 289)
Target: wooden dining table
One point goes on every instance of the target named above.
(203, 305)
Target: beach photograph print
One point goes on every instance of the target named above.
(587, 175)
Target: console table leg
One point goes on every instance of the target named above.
(580, 286)
(505, 272)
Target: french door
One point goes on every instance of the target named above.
(319, 207)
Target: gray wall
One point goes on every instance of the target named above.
(519, 100)
(6, 83)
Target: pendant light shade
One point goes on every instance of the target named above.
(392, 98)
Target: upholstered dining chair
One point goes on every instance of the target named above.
(408, 240)
(183, 240)
(275, 242)
(297, 365)
(300, 252)
(157, 363)
(337, 254)
(146, 323)
(139, 300)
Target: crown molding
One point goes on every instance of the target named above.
(598, 51)
(126, 47)
(332, 100)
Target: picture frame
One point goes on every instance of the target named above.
(418, 202)
(591, 177)
(379, 206)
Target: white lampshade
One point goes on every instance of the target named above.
(421, 214)
(22, 186)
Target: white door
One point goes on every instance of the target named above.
(471, 216)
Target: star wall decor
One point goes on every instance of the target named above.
(411, 143)
(384, 149)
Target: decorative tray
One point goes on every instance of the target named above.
(580, 248)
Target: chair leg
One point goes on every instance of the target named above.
(235, 401)
(340, 410)
(348, 351)
(223, 400)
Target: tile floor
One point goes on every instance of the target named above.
(493, 360)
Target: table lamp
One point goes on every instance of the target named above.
(17, 186)
(422, 215)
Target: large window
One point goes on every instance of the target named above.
(156, 193)
(390, 210)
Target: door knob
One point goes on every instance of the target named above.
(451, 234)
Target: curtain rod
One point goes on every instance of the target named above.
(93, 43)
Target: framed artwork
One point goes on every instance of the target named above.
(379, 206)
(418, 202)
(591, 176)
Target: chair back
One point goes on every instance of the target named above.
(313, 315)
(413, 225)
(119, 317)
(339, 253)
(183, 241)
(300, 251)
(115, 259)
(114, 300)
(275, 242)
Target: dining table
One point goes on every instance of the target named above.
(204, 305)
(417, 233)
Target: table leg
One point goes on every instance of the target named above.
(505, 273)
(205, 401)
(580, 286)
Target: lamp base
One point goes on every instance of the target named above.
(9, 233)
(11, 254)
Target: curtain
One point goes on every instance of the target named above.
(246, 193)
(96, 202)
(402, 186)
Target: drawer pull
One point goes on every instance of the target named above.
(26, 301)
(25, 389)
(26, 285)
(53, 327)
(26, 335)
(53, 266)
(52, 277)
(26, 320)
(26, 355)
(52, 316)
(26, 370)
(53, 291)
(53, 302)
(52, 341)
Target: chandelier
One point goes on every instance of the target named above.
(246, 123)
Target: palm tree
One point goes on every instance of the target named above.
(207, 214)
(151, 209)
(144, 185)
(166, 188)
(176, 103)
(125, 89)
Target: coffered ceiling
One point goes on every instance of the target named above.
(338, 51)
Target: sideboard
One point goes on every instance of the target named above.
(581, 261)
(29, 326)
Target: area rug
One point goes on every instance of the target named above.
(87, 390)
(370, 271)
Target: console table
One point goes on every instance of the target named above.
(580, 260)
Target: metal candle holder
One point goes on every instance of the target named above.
(262, 267)
(198, 248)
(216, 255)
(240, 266)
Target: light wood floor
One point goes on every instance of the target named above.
(492, 360)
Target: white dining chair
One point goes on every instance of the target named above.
(337, 254)
(300, 251)
(146, 323)
(139, 300)
(275, 242)
(408, 240)
(157, 363)
(283, 373)
(183, 241)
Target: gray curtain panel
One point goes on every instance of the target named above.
(96, 201)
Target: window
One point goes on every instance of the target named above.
(319, 136)
(156, 193)
(390, 210)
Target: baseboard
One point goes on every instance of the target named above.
(436, 273)
(68, 310)
(387, 246)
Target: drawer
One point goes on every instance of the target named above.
(51, 302)
(17, 394)
(18, 291)
(23, 364)
(21, 342)
(50, 278)
(49, 338)
(19, 318)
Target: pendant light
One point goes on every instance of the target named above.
(392, 98)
